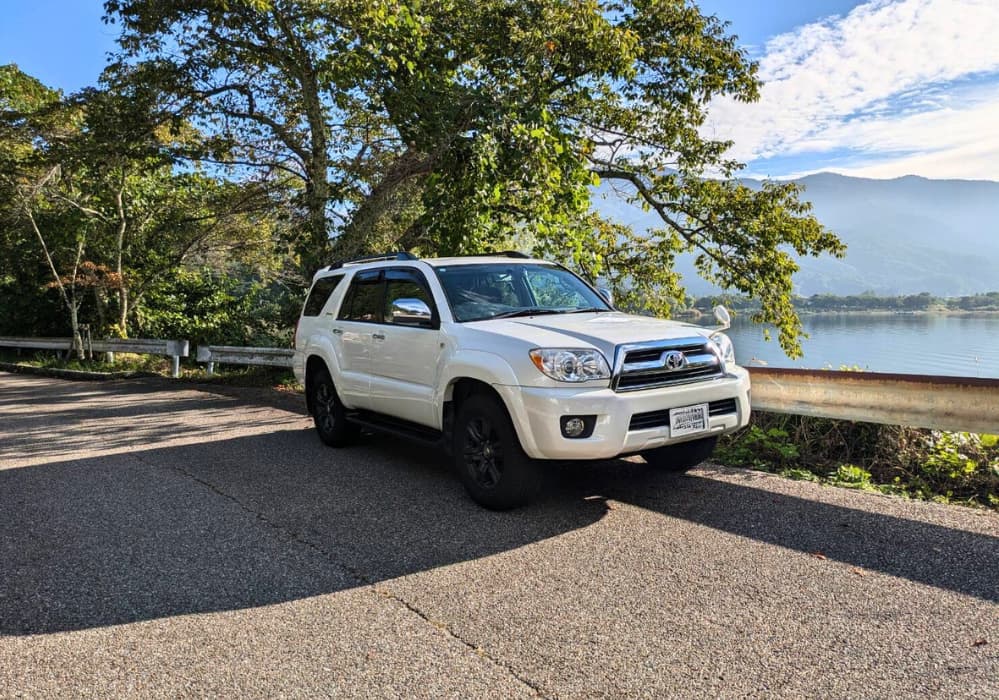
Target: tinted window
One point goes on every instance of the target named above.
(364, 297)
(405, 284)
(320, 294)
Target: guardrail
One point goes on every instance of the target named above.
(37, 343)
(174, 349)
(940, 403)
(235, 355)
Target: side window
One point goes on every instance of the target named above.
(320, 294)
(363, 300)
(407, 283)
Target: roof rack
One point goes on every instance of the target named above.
(500, 254)
(398, 255)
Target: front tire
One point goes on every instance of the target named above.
(488, 457)
(328, 413)
(681, 457)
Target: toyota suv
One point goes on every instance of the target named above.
(503, 360)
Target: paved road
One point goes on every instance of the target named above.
(157, 540)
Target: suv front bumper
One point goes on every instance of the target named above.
(536, 415)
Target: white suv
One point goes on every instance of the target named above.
(504, 360)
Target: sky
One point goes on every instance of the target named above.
(878, 88)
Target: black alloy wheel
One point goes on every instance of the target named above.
(328, 413)
(488, 457)
(483, 452)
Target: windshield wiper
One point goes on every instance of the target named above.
(526, 312)
(592, 309)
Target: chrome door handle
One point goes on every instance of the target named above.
(337, 331)
(378, 336)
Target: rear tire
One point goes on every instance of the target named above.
(328, 413)
(681, 457)
(488, 457)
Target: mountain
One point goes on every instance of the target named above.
(903, 236)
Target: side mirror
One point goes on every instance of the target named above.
(411, 312)
(607, 295)
(723, 317)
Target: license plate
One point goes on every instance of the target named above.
(688, 420)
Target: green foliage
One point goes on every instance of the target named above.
(454, 127)
(851, 476)
(760, 448)
(207, 308)
(907, 461)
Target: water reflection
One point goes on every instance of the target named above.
(966, 346)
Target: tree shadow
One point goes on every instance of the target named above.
(935, 555)
(237, 523)
(226, 523)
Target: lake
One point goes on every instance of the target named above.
(963, 346)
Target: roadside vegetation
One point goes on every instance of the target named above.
(910, 462)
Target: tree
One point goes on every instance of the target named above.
(33, 122)
(516, 110)
(91, 177)
(273, 82)
(450, 126)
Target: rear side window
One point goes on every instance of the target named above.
(363, 301)
(320, 294)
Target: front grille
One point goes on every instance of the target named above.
(659, 419)
(648, 366)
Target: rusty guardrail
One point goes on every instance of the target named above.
(941, 403)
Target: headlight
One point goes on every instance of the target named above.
(568, 365)
(725, 347)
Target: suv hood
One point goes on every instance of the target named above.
(603, 331)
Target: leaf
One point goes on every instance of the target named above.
(819, 555)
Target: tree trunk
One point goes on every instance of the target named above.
(119, 201)
(74, 323)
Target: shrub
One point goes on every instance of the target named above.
(920, 463)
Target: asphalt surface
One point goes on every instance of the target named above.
(160, 540)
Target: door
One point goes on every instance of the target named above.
(359, 319)
(405, 352)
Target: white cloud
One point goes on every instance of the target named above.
(902, 83)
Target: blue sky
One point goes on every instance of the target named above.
(881, 88)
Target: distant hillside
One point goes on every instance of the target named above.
(905, 236)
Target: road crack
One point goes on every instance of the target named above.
(481, 652)
(359, 576)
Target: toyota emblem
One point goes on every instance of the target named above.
(674, 359)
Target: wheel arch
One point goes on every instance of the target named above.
(460, 388)
(313, 365)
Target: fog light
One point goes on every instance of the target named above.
(577, 426)
(574, 427)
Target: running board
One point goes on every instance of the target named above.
(397, 426)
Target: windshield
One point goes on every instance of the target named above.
(497, 290)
